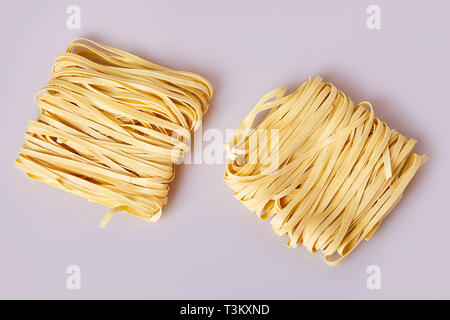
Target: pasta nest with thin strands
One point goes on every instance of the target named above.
(111, 127)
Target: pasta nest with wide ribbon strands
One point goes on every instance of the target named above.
(111, 127)
(332, 171)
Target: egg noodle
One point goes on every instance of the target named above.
(337, 173)
(111, 127)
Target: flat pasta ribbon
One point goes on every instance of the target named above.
(111, 127)
(325, 171)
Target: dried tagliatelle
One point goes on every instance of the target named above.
(330, 171)
(111, 127)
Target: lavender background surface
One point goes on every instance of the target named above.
(207, 245)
